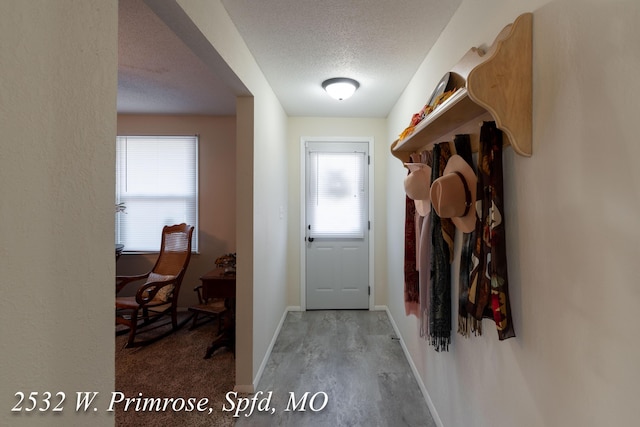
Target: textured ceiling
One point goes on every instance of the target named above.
(296, 43)
(300, 43)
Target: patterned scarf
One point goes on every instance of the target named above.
(488, 288)
(442, 232)
(466, 322)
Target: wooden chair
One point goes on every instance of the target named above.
(158, 296)
(209, 307)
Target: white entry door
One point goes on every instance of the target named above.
(337, 225)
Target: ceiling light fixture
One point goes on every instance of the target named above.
(340, 87)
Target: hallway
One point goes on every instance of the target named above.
(352, 356)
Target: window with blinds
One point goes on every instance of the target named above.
(336, 201)
(157, 180)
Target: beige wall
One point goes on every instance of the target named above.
(58, 89)
(572, 228)
(336, 127)
(217, 191)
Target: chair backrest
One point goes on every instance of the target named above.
(175, 252)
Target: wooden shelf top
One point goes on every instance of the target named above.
(496, 86)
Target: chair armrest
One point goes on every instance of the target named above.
(122, 281)
(147, 292)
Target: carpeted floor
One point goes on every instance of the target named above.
(174, 367)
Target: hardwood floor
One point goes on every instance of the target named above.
(352, 366)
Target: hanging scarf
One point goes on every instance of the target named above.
(411, 287)
(488, 289)
(442, 231)
(448, 228)
(425, 277)
(465, 320)
(424, 263)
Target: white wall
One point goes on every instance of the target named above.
(270, 227)
(261, 192)
(58, 89)
(336, 127)
(572, 228)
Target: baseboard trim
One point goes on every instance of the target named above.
(416, 374)
(267, 355)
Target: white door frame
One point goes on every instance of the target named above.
(303, 270)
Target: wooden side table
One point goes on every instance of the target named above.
(217, 284)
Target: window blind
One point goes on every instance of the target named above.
(157, 180)
(336, 205)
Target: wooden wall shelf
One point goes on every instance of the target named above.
(496, 85)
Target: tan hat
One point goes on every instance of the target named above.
(417, 184)
(454, 194)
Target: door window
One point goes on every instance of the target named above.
(336, 202)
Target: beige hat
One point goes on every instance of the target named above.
(454, 194)
(416, 185)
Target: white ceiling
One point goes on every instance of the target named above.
(297, 45)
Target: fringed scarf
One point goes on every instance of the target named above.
(466, 322)
(488, 289)
(442, 232)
